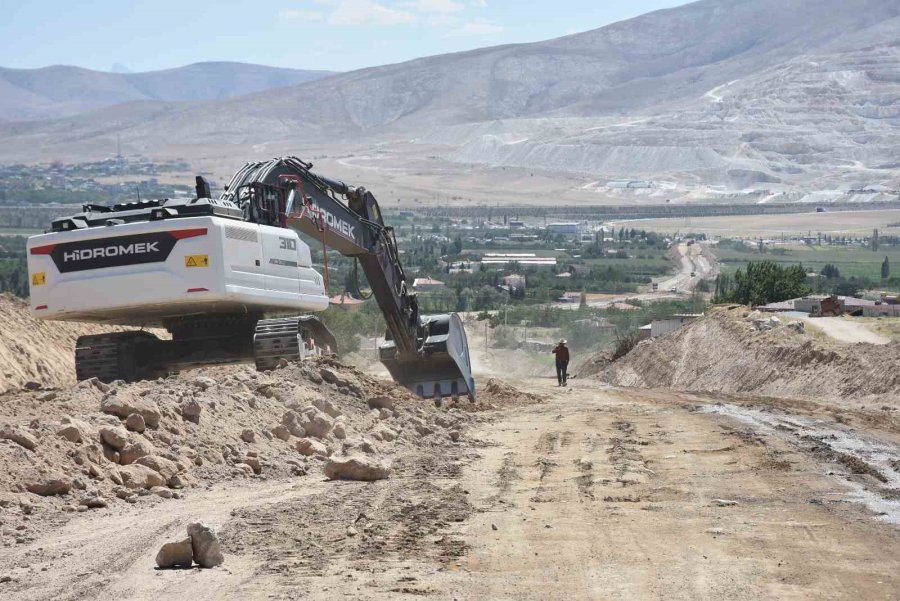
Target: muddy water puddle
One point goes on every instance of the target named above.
(852, 452)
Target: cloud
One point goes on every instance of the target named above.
(302, 15)
(353, 12)
(439, 14)
(477, 27)
(434, 6)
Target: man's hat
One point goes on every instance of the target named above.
(563, 341)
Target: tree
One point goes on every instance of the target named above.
(885, 269)
(875, 240)
(830, 271)
(766, 282)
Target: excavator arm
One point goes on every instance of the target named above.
(427, 354)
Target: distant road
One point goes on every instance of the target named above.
(696, 264)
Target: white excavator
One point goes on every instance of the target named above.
(222, 275)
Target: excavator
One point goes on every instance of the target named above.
(221, 275)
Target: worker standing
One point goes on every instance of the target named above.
(562, 362)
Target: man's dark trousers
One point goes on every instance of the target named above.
(561, 369)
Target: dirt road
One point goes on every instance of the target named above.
(694, 265)
(595, 493)
(844, 330)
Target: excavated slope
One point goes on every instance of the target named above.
(37, 351)
(722, 352)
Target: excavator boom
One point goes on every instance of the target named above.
(428, 354)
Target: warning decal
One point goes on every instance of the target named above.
(196, 261)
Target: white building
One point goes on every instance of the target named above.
(499, 260)
(427, 284)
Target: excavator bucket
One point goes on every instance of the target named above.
(442, 368)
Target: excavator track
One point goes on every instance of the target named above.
(110, 357)
(290, 338)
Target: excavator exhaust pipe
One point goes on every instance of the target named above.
(442, 367)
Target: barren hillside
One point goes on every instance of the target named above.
(743, 94)
(723, 352)
(60, 91)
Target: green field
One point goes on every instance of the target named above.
(851, 261)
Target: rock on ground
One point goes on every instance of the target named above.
(165, 467)
(190, 411)
(75, 430)
(123, 403)
(176, 555)
(20, 437)
(357, 467)
(135, 450)
(47, 485)
(114, 437)
(135, 422)
(381, 402)
(205, 543)
(140, 476)
(309, 447)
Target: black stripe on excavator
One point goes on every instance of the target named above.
(117, 251)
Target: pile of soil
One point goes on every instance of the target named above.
(724, 352)
(497, 393)
(96, 445)
(38, 351)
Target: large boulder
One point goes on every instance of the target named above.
(135, 450)
(140, 476)
(176, 555)
(115, 437)
(357, 467)
(164, 467)
(205, 544)
(20, 437)
(122, 403)
(47, 485)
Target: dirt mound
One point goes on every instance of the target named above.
(497, 393)
(37, 351)
(724, 352)
(94, 445)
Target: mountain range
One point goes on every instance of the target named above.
(61, 91)
(735, 93)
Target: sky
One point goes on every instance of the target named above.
(337, 35)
